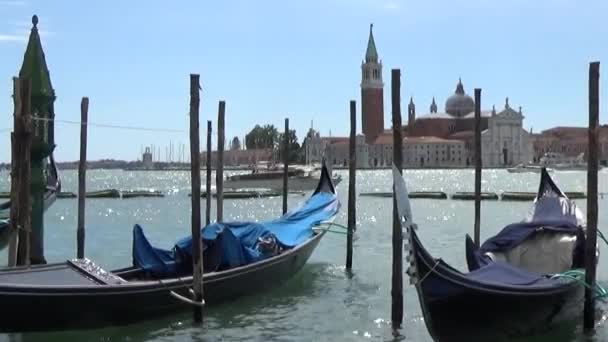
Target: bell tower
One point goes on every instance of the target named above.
(411, 117)
(372, 92)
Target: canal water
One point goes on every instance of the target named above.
(322, 302)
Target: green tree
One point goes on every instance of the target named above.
(262, 137)
(235, 144)
(294, 146)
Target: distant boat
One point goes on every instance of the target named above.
(299, 179)
(560, 161)
(525, 168)
(520, 281)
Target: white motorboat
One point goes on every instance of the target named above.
(525, 168)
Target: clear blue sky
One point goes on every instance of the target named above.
(300, 59)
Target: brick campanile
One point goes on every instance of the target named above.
(372, 92)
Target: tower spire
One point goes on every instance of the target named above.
(34, 64)
(371, 55)
(411, 116)
(459, 87)
(433, 108)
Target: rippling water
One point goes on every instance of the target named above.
(321, 302)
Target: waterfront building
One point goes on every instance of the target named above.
(435, 139)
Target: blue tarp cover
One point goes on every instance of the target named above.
(234, 244)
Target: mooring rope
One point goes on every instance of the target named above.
(578, 275)
(328, 225)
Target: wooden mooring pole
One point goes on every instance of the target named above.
(15, 175)
(208, 184)
(23, 137)
(592, 162)
(477, 165)
(285, 164)
(397, 278)
(195, 162)
(82, 169)
(219, 170)
(352, 170)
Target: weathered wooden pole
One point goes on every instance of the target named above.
(219, 170)
(23, 137)
(197, 248)
(477, 165)
(82, 170)
(397, 279)
(352, 170)
(15, 175)
(208, 185)
(285, 164)
(592, 166)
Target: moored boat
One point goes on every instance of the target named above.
(300, 179)
(561, 162)
(240, 258)
(526, 168)
(519, 282)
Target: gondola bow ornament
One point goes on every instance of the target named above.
(406, 219)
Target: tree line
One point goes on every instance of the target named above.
(269, 137)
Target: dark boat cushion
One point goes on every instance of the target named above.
(501, 273)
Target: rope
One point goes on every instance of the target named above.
(334, 231)
(578, 275)
(338, 225)
(136, 128)
(602, 236)
(429, 272)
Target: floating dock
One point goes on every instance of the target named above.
(244, 194)
(107, 193)
(66, 194)
(471, 196)
(413, 194)
(141, 193)
(530, 196)
(517, 196)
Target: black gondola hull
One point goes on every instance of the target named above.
(54, 308)
(458, 309)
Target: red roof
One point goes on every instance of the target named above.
(462, 134)
(428, 140)
(384, 139)
(565, 130)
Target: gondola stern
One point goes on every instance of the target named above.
(326, 183)
(547, 186)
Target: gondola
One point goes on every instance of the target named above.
(516, 284)
(53, 188)
(240, 258)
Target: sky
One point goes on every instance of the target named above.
(272, 59)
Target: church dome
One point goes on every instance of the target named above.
(459, 104)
